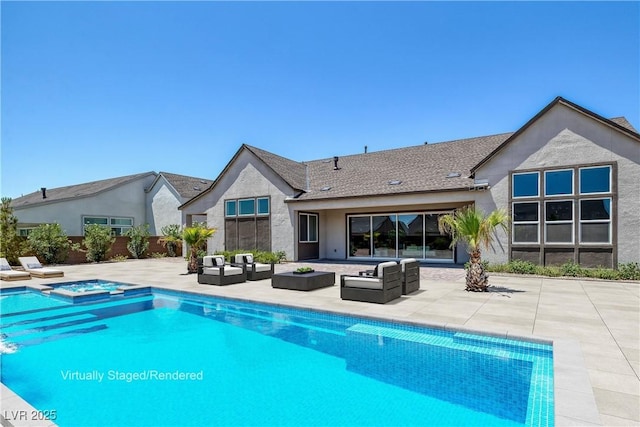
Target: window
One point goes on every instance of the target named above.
(263, 206)
(595, 180)
(526, 222)
(24, 232)
(558, 183)
(247, 207)
(230, 208)
(308, 228)
(559, 222)
(118, 225)
(595, 221)
(526, 184)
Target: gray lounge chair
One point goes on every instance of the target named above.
(255, 270)
(33, 266)
(410, 275)
(9, 274)
(384, 286)
(214, 271)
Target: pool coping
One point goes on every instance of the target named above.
(574, 400)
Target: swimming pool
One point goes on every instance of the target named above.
(181, 359)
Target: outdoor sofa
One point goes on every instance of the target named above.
(383, 286)
(35, 268)
(9, 274)
(410, 269)
(255, 270)
(214, 271)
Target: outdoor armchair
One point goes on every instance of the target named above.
(214, 271)
(385, 285)
(410, 269)
(255, 270)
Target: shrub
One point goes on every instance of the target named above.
(49, 243)
(258, 256)
(12, 246)
(171, 238)
(118, 258)
(522, 267)
(572, 269)
(158, 255)
(98, 241)
(138, 240)
(629, 271)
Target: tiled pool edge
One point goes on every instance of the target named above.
(574, 401)
(12, 404)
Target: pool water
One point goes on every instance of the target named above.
(14, 302)
(177, 359)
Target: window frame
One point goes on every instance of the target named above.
(235, 208)
(572, 222)
(257, 205)
(580, 169)
(609, 221)
(308, 227)
(513, 185)
(514, 223)
(573, 182)
(116, 229)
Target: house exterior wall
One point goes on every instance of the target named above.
(246, 178)
(162, 203)
(127, 200)
(566, 137)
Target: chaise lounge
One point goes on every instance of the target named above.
(385, 285)
(214, 271)
(33, 266)
(410, 269)
(8, 274)
(255, 270)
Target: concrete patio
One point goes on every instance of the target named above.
(595, 325)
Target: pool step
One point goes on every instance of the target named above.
(493, 342)
(38, 337)
(399, 334)
(35, 326)
(52, 313)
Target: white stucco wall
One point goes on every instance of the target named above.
(248, 177)
(127, 200)
(162, 203)
(566, 137)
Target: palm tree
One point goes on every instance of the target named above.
(196, 237)
(471, 226)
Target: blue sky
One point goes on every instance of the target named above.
(94, 90)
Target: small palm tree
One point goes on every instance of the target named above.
(196, 237)
(471, 226)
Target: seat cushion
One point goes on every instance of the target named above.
(363, 282)
(213, 261)
(261, 267)
(228, 270)
(240, 258)
(383, 265)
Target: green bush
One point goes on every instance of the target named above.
(629, 271)
(118, 258)
(98, 241)
(12, 246)
(49, 243)
(258, 256)
(171, 238)
(551, 271)
(522, 267)
(138, 240)
(158, 255)
(572, 269)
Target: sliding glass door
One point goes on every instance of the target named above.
(406, 235)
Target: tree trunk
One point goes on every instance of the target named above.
(192, 266)
(477, 279)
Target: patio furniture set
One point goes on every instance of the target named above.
(388, 281)
(31, 266)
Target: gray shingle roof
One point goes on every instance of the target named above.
(75, 191)
(187, 186)
(622, 121)
(291, 171)
(420, 168)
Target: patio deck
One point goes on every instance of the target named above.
(594, 324)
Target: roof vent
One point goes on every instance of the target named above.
(44, 192)
(335, 163)
(203, 182)
(325, 188)
(453, 174)
(395, 182)
(196, 188)
(365, 149)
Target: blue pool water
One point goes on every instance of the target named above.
(13, 302)
(178, 359)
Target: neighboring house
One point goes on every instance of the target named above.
(568, 178)
(120, 203)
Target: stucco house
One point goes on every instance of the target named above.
(121, 203)
(568, 177)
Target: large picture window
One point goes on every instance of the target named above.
(247, 224)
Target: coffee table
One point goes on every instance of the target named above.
(303, 282)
